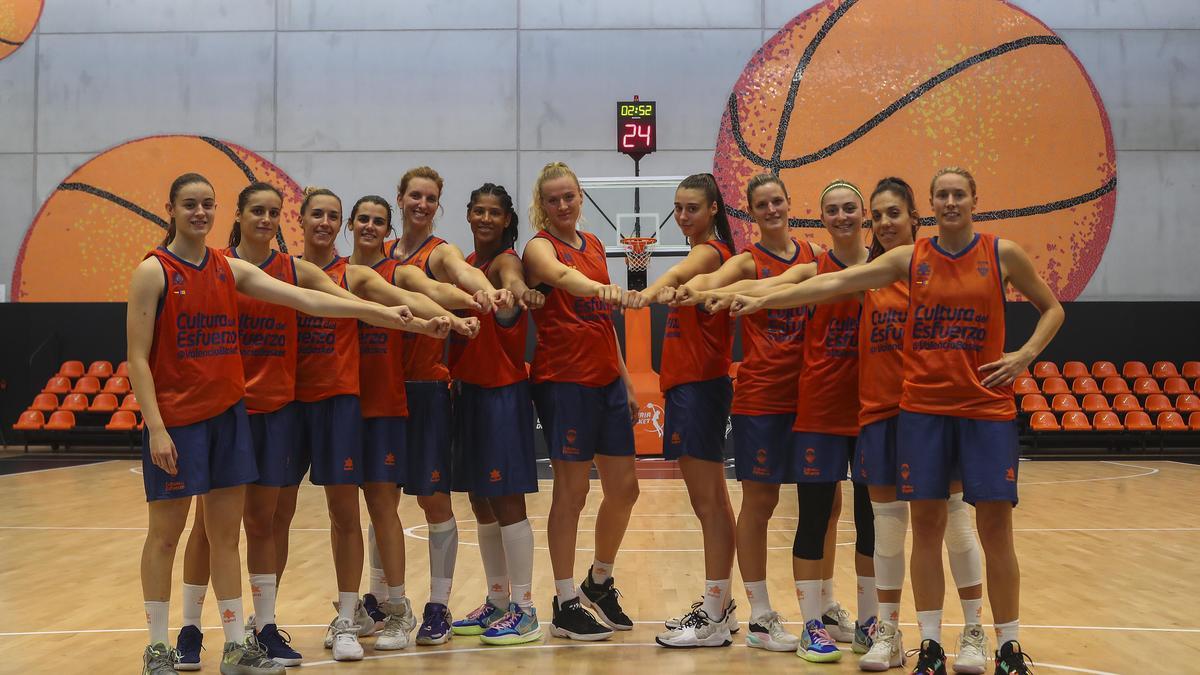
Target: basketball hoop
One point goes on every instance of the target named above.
(637, 252)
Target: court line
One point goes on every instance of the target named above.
(60, 468)
(411, 529)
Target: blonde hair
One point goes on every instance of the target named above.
(840, 183)
(957, 171)
(761, 180)
(538, 218)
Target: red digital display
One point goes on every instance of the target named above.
(637, 134)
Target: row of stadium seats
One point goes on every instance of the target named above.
(1155, 403)
(98, 369)
(1142, 386)
(1110, 421)
(87, 384)
(64, 420)
(100, 403)
(1132, 370)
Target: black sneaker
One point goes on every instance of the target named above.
(572, 621)
(371, 604)
(603, 599)
(189, 644)
(931, 659)
(1010, 660)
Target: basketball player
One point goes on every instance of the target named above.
(764, 398)
(494, 456)
(695, 382)
(957, 400)
(197, 439)
(584, 400)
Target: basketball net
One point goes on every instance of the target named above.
(637, 252)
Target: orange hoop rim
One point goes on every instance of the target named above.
(638, 244)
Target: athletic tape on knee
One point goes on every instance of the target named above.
(962, 547)
(891, 525)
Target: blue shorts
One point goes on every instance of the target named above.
(384, 440)
(276, 436)
(428, 438)
(820, 458)
(212, 454)
(696, 416)
(762, 447)
(493, 440)
(580, 422)
(930, 447)
(875, 454)
(332, 437)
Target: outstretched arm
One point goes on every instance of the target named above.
(412, 279)
(543, 267)
(883, 271)
(512, 277)
(1020, 272)
(701, 259)
(447, 262)
(366, 283)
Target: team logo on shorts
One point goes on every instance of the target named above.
(348, 465)
(810, 455)
(435, 476)
(761, 456)
(494, 476)
(570, 435)
(904, 471)
(675, 438)
(983, 267)
(923, 274)
(1010, 475)
(389, 459)
(173, 485)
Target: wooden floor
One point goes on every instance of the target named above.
(1108, 553)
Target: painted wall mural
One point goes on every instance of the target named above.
(862, 89)
(18, 18)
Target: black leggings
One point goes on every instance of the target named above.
(864, 521)
(815, 501)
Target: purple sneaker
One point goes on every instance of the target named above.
(435, 625)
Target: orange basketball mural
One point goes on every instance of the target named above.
(862, 89)
(98, 224)
(17, 21)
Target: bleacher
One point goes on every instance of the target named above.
(95, 406)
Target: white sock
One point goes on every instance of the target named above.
(395, 593)
(601, 571)
(716, 593)
(566, 590)
(193, 604)
(760, 599)
(808, 592)
(827, 601)
(930, 623)
(231, 619)
(518, 560)
(378, 578)
(347, 603)
(262, 593)
(443, 552)
(972, 611)
(495, 567)
(156, 621)
(889, 612)
(1007, 631)
(868, 599)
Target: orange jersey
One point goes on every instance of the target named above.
(696, 345)
(194, 358)
(496, 357)
(327, 364)
(880, 355)
(955, 324)
(575, 338)
(380, 366)
(828, 389)
(267, 333)
(424, 356)
(772, 345)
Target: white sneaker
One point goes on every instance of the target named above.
(696, 629)
(766, 632)
(838, 623)
(396, 628)
(887, 650)
(972, 650)
(344, 640)
(363, 622)
(731, 621)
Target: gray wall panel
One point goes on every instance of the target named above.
(16, 186)
(216, 84)
(640, 14)
(1058, 14)
(120, 16)
(435, 90)
(17, 84)
(52, 169)
(390, 14)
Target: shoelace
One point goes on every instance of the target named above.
(695, 618)
(841, 616)
(974, 638)
(921, 659)
(283, 636)
(1019, 662)
(348, 629)
(255, 649)
(479, 612)
(394, 623)
(167, 657)
(821, 637)
(509, 622)
(695, 605)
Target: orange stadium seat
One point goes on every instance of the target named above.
(61, 420)
(1171, 421)
(122, 369)
(1126, 403)
(1055, 385)
(1043, 421)
(100, 369)
(1095, 403)
(1175, 386)
(87, 384)
(1115, 384)
(44, 403)
(71, 369)
(1075, 421)
(122, 420)
(1138, 421)
(1134, 369)
(1025, 385)
(1191, 369)
(1032, 403)
(1084, 385)
(130, 403)
(74, 403)
(1187, 403)
(1164, 369)
(1044, 369)
(1103, 369)
(1107, 421)
(1074, 369)
(103, 403)
(1145, 386)
(1064, 402)
(30, 420)
(57, 385)
(1194, 421)
(1158, 403)
(118, 386)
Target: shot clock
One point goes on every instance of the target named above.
(637, 133)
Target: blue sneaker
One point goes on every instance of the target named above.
(864, 635)
(816, 645)
(435, 625)
(276, 642)
(479, 619)
(371, 606)
(517, 627)
(189, 644)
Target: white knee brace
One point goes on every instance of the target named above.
(962, 546)
(891, 527)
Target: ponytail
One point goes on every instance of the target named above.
(712, 194)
